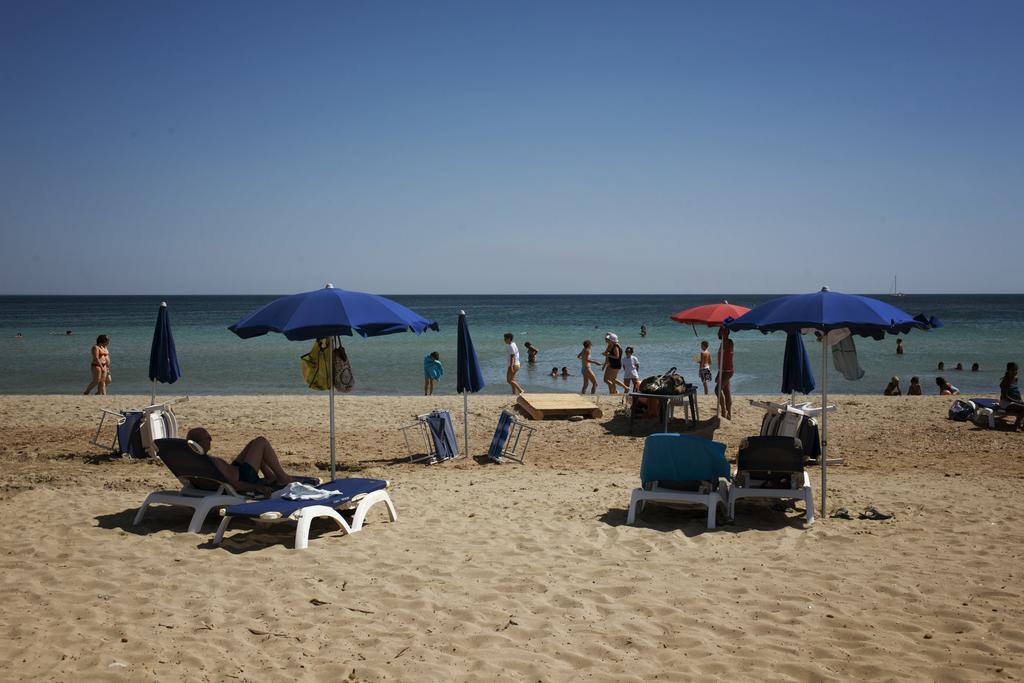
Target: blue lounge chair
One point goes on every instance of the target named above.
(508, 440)
(772, 467)
(681, 468)
(353, 494)
(203, 487)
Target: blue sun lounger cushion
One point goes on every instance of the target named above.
(681, 468)
(353, 493)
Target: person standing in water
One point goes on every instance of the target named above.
(432, 371)
(631, 371)
(512, 363)
(531, 353)
(899, 346)
(589, 378)
(704, 365)
(100, 367)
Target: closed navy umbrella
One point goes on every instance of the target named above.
(826, 311)
(796, 366)
(470, 379)
(163, 357)
(329, 312)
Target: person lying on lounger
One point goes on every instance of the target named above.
(244, 473)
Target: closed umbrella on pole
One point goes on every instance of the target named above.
(796, 366)
(163, 357)
(469, 378)
(330, 312)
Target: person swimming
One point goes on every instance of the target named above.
(975, 367)
(959, 366)
(565, 372)
(941, 366)
(554, 372)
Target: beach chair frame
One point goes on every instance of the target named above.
(420, 430)
(515, 444)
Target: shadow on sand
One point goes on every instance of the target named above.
(751, 515)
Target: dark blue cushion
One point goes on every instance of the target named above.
(350, 488)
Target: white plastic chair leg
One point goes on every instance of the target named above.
(202, 509)
(368, 501)
(142, 510)
(305, 519)
(809, 503)
(634, 500)
(221, 528)
(712, 503)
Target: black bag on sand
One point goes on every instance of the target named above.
(669, 384)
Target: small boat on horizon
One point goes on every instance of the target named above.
(895, 291)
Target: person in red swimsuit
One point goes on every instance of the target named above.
(725, 371)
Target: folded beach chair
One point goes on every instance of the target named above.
(508, 441)
(354, 494)
(203, 488)
(438, 435)
(136, 431)
(771, 467)
(681, 468)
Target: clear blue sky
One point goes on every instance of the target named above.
(484, 147)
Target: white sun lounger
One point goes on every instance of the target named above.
(358, 495)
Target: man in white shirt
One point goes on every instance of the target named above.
(512, 364)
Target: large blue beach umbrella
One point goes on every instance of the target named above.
(796, 366)
(330, 312)
(163, 357)
(470, 379)
(825, 312)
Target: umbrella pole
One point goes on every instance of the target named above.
(330, 388)
(152, 394)
(824, 420)
(465, 423)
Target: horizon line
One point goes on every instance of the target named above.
(523, 294)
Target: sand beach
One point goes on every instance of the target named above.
(512, 572)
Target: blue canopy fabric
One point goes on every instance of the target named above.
(163, 357)
(329, 312)
(470, 378)
(683, 457)
(826, 311)
(796, 366)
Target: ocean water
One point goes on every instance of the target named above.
(988, 329)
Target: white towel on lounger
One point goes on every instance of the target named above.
(299, 491)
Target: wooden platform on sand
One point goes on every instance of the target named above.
(540, 406)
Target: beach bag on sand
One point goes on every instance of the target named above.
(669, 384)
(344, 381)
(961, 410)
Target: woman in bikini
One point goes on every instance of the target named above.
(100, 368)
(588, 375)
